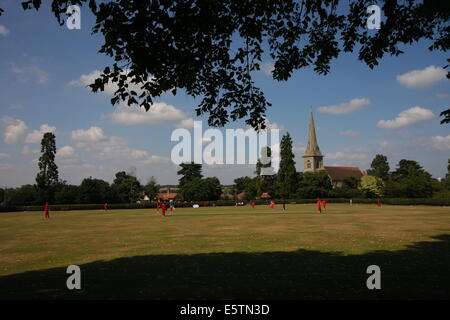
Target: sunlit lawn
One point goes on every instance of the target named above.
(258, 253)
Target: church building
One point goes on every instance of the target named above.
(313, 160)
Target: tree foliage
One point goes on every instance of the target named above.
(126, 188)
(67, 194)
(372, 186)
(151, 188)
(193, 187)
(314, 184)
(265, 182)
(287, 173)
(410, 180)
(97, 191)
(379, 167)
(189, 172)
(199, 189)
(47, 177)
(211, 48)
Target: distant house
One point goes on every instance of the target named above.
(338, 174)
(169, 189)
(240, 196)
(265, 195)
(169, 196)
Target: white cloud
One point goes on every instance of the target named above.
(350, 157)
(4, 31)
(14, 131)
(298, 148)
(139, 154)
(186, 123)
(28, 150)
(36, 136)
(349, 133)
(66, 152)
(346, 107)
(67, 156)
(382, 145)
(407, 118)
(346, 155)
(32, 72)
(106, 147)
(157, 160)
(422, 78)
(441, 143)
(159, 113)
(93, 134)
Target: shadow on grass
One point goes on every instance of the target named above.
(421, 271)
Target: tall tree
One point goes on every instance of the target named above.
(199, 189)
(94, 191)
(265, 173)
(188, 172)
(410, 180)
(379, 167)
(448, 170)
(314, 184)
(407, 168)
(151, 188)
(240, 184)
(47, 177)
(126, 187)
(287, 173)
(447, 176)
(212, 187)
(160, 46)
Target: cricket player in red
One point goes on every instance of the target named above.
(253, 204)
(379, 203)
(171, 206)
(272, 204)
(324, 204)
(105, 207)
(163, 209)
(46, 213)
(319, 208)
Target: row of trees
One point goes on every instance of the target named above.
(125, 188)
(408, 180)
(194, 187)
(49, 188)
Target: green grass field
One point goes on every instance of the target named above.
(228, 252)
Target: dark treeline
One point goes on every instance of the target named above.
(125, 188)
(407, 180)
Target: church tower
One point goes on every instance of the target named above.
(312, 158)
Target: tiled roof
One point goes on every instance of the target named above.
(168, 196)
(339, 173)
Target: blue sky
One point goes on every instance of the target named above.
(393, 109)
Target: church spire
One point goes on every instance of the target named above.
(312, 148)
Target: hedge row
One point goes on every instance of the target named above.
(391, 201)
